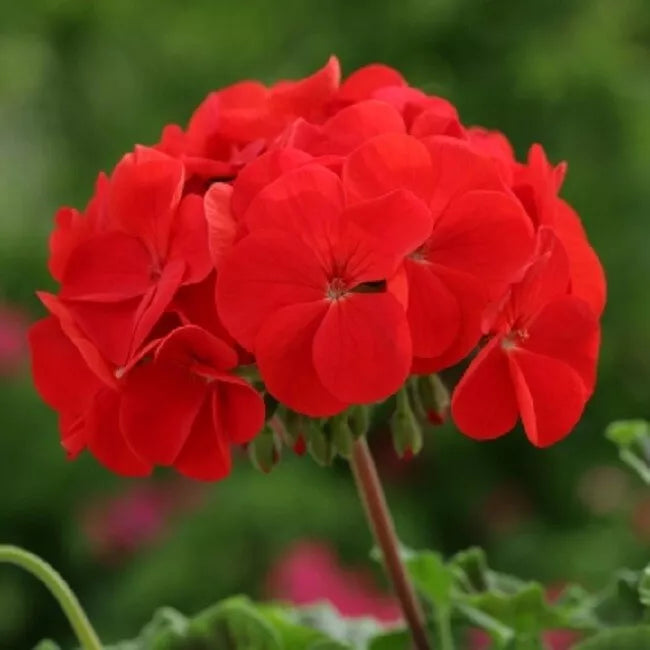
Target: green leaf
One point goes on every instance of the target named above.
(624, 638)
(352, 633)
(233, 624)
(394, 640)
(47, 645)
(625, 433)
(644, 587)
(632, 437)
(292, 633)
(471, 569)
(327, 645)
(501, 634)
(432, 577)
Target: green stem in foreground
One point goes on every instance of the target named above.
(383, 528)
(59, 589)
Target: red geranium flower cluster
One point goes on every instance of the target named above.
(340, 236)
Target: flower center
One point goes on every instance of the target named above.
(336, 289)
(515, 337)
(420, 255)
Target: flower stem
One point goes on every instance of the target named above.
(383, 528)
(59, 588)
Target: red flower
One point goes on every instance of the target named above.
(121, 265)
(336, 236)
(423, 115)
(118, 415)
(86, 396)
(308, 291)
(232, 126)
(539, 365)
(480, 239)
(537, 184)
(208, 408)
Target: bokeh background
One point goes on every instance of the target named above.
(82, 81)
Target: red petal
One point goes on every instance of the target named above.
(308, 96)
(567, 329)
(495, 145)
(484, 404)
(388, 162)
(395, 225)
(547, 278)
(106, 267)
(587, 274)
(433, 311)
(196, 305)
(144, 195)
(86, 348)
(51, 352)
(352, 126)
(108, 327)
(486, 234)
(154, 303)
(106, 440)
(284, 350)
(472, 299)
(206, 454)
(71, 229)
(307, 201)
(238, 112)
(191, 345)
(438, 120)
(239, 410)
(222, 226)
(262, 172)
(159, 406)
(457, 169)
(362, 350)
(365, 81)
(262, 273)
(189, 240)
(551, 396)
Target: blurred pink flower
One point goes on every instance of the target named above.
(121, 525)
(309, 572)
(13, 339)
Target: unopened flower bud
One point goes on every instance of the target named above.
(342, 436)
(264, 450)
(319, 443)
(294, 430)
(359, 420)
(434, 398)
(407, 434)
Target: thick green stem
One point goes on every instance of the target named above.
(383, 528)
(59, 588)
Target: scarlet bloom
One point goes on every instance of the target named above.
(209, 408)
(537, 185)
(122, 263)
(540, 361)
(336, 238)
(234, 125)
(120, 417)
(309, 292)
(480, 237)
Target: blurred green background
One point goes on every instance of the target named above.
(81, 81)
